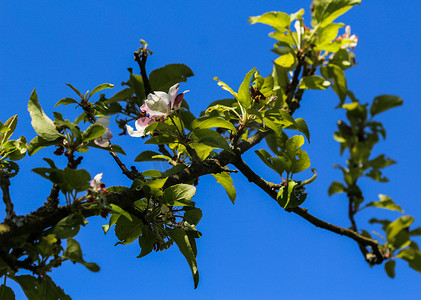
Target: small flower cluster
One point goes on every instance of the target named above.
(353, 39)
(157, 107)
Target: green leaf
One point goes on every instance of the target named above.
(325, 12)
(149, 156)
(389, 267)
(128, 231)
(121, 95)
(291, 195)
(274, 163)
(100, 88)
(41, 123)
(69, 226)
(314, 82)
(380, 162)
(8, 129)
(146, 242)
(337, 75)
(328, 33)
(286, 61)
(163, 78)
(383, 103)
(211, 138)
(136, 82)
(224, 86)
(301, 125)
(119, 210)
(205, 122)
(183, 242)
(385, 202)
(6, 293)
(161, 140)
(227, 183)
(336, 187)
(66, 101)
(193, 215)
(75, 90)
(152, 173)
(40, 288)
(275, 19)
(299, 158)
(243, 97)
(92, 132)
(202, 150)
(179, 195)
(413, 256)
(174, 170)
(397, 226)
(74, 253)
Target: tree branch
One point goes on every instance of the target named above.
(269, 188)
(5, 183)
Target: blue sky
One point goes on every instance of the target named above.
(253, 249)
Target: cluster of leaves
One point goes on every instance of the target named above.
(359, 135)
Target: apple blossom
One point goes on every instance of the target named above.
(140, 125)
(104, 140)
(97, 185)
(160, 104)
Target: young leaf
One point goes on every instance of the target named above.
(383, 103)
(66, 101)
(325, 12)
(227, 183)
(92, 132)
(243, 96)
(203, 123)
(74, 253)
(389, 267)
(100, 88)
(183, 242)
(385, 202)
(136, 82)
(397, 226)
(41, 123)
(275, 19)
(336, 187)
(8, 129)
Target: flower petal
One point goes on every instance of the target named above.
(133, 133)
(103, 121)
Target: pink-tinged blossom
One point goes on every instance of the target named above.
(140, 125)
(160, 104)
(104, 140)
(97, 185)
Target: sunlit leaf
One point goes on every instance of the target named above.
(227, 183)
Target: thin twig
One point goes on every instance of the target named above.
(302, 212)
(133, 174)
